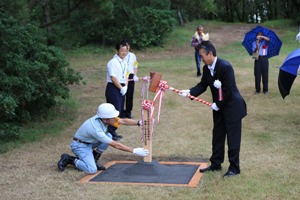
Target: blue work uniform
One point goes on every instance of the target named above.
(91, 134)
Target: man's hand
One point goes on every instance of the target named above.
(135, 78)
(184, 93)
(141, 151)
(214, 107)
(123, 90)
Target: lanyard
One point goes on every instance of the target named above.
(123, 69)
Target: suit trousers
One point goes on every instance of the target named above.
(220, 131)
(113, 96)
(129, 95)
(261, 71)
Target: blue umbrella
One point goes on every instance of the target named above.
(274, 44)
(288, 72)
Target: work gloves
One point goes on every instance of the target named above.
(184, 93)
(214, 107)
(123, 90)
(135, 78)
(141, 151)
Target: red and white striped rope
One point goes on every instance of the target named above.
(189, 96)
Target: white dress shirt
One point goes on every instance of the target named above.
(212, 67)
(118, 68)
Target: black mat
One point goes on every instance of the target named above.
(142, 172)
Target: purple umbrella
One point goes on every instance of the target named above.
(274, 44)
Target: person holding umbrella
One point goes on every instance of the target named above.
(261, 63)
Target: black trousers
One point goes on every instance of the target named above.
(113, 96)
(129, 95)
(261, 70)
(233, 133)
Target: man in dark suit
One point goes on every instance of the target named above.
(229, 108)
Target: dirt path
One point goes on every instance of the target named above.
(30, 172)
(219, 36)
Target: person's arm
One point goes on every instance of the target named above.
(194, 42)
(116, 82)
(138, 151)
(130, 122)
(257, 46)
(264, 37)
(135, 71)
(120, 146)
(135, 68)
(202, 85)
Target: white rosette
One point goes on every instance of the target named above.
(218, 85)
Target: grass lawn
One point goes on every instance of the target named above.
(270, 139)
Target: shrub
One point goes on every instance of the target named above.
(32, 75)
(9, 132)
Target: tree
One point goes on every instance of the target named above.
(32, 75)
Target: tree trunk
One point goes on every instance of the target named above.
(180, 16)
(237, 10)
(47, 19)
(46, 12)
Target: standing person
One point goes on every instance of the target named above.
(93, 138)
(228, 109)
(132, 69)
(197, 39)
(117, 80)
(261, 65)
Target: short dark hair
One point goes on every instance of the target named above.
(120, 45)
(127, 41)
(207, 46)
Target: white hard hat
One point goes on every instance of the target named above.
(107, 110)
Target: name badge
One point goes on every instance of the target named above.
(123, 80)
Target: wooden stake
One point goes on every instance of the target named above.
(147, 131)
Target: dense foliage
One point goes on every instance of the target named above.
(250, 11)
(106, 22)
(32, 74)
(72, 23)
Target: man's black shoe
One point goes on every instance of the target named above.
(210, 169)
(100, 167)
(62, 163)
(231, 173)
(65, 159)
(117, 137)
(128, 115)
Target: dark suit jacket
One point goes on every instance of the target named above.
(233, 106)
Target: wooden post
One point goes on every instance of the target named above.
(148, 123)
(147, 131)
